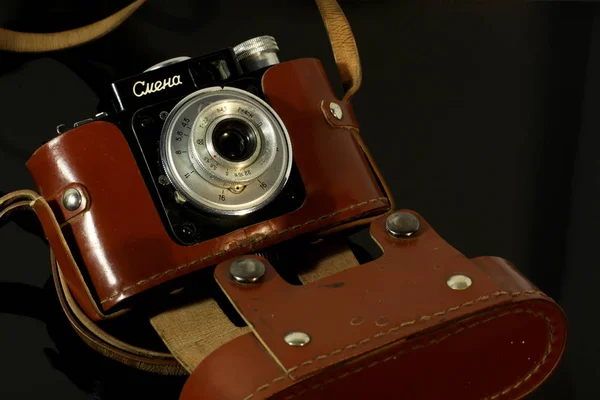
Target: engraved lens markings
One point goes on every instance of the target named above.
(211, 161)
(190, 127)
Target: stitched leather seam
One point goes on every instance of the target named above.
(395, 328)
(537, 366)
(356, 132)
(441, 339)
(423, 318)
(239, 246)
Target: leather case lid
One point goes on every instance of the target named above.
(391, 328)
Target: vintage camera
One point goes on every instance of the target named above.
(214, 155)
(198, 160)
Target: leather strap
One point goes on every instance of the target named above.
(343, 44)
(28, 199)
(106, 344)
(342, 40)
(25, 42)
(91, 333)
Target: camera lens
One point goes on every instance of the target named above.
(234, 140)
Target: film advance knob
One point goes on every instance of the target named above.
(257, 53)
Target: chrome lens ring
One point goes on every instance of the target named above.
(212, 182)
(248, 141)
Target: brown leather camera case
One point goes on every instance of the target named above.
(118, 232)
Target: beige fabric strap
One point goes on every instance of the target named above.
(324, 259)
(338, 29)
(193, 331)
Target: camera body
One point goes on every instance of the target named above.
(205, 188)
(197, 161)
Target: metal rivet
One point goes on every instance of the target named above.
(459, 282)
(71, 199)
(336, 110)
(163, 180)
(297, 339)
(163, 115)
(247, 270)
(402, 224)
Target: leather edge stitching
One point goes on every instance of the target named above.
(239, 246)
(363, 147)
(436, 341)
(404, 324)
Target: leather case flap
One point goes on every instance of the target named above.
(393, 318)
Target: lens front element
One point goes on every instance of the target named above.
(234, 140)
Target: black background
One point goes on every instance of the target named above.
(482, 116)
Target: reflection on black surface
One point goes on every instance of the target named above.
(91, 372)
